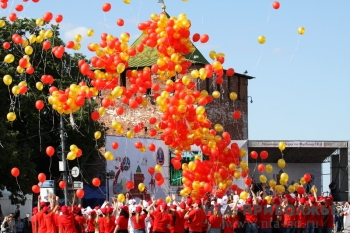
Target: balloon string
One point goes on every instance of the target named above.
(19, 187)
(50, 167)
(296, 48)
(40, 133)
(268, 17)
(138, 15)
(262, 50)
(104, 18)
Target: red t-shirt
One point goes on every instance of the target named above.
(330, 220)
(264, 218)
(79, 222)
(91, 225)
(310, 216)
(67, 223)
(180, 221)
(109, 226)
(319, 216)
(101, 224)
(50, 222)
(33, 221)
(228, 224)
(122, 223)
(276, 211)
(250, 216)
(237, 222)
(40, 218)
(288, 217)
(187, 223)
(197, 218)
(215, 221)
(160, 221)
(141, 224)
(300, 218)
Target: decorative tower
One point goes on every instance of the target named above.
(138, 177)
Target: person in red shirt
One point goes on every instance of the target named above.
(276, 215)
(188, 208)
(123, 220)
(161, 219)
(92, 222)
(228, 223)
(215, 221)
(79, 220)
(108, 221)
(139, 220)
(329, 219)
(49, 214)
(180, 220)
(66, 220)
(310, 216)
(40, 226)
(300, 217)
(197, 217)
(33, 220)
(206, 224)
(250, 215)
(264, 217)
(289, 215)
(101, 220)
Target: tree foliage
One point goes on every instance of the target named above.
(23, 141)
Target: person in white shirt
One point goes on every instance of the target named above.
(346, 210)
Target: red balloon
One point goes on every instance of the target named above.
(95, 116)
(248, 181)
(79, 193)
(276, 5)
(15, 172)
(47, 17)
(96, 182)
(204, 38)
(50, 151)
(158, 176)
(129, 185)
(106, 7)
(230, 72)
(12, 17)
(254, 155)
(36, 189)
(160, 182)
(23, 90)
(39, 104)
(30, 70)
(79, 153)
(261, 167)
(264, 154)
(151, 170)
(120, 22)
(62, 184)
(19, 7)
(196, 37)
(115, 145)
(307, 177)
(59, 18)
(42, 177)
(151, 147)
(300, 190)
(138, 145)
(152, 120)
(236, 114)
(6, 45)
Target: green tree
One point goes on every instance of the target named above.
(24, 141)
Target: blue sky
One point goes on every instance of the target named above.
(301, 90)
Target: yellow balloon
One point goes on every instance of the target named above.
(280, 189)
(242, 152)
(7, 79)
(71, 155)
(11, 116)
(74, 148)
(200, 110)
(281, 163)
(78, 38)
(313, 190)
(126, 1)
(284, 177)
(141, 187)
(97, 135)
(109, 155)
(268, 199)
(282, 146)
(15, 90)
(39, 22)
(124, 37)
(121, 198)
(90, 32)
(269, 168)
(197, 157)
(302, 181)
(291, 188)
(2, 23)
(261, 39)
(9, 58)
(218, 128)
(191, 166)
(168, 199)
(272, 183)
(129, 134)
(48, 34)
(243, 195)
(296, 185)
(158, 168)
(28, 50)
(212, 55)
(120, 68)
(301, 30)
(233, 95)
(237, 174)
(186, 80)
(216, 94)
(262, 179)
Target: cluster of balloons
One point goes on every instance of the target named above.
(74, 152)
(71, 99)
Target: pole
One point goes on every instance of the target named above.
(65, 174)
(107, 178)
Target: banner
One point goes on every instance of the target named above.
(47, 188)
(306, 144)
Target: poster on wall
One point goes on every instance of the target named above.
(130, 164)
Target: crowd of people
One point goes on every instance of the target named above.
(257, 213)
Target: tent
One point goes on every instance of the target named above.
(94, 196)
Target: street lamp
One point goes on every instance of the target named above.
(109, 175)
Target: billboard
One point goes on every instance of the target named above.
(47, 188)
(131, 164)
